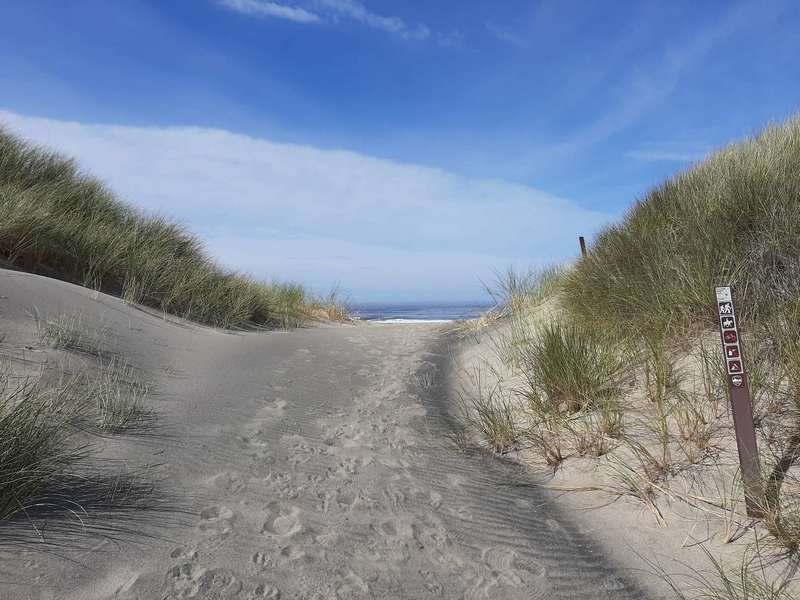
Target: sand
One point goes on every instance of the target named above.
(312, 463)
(685, 532)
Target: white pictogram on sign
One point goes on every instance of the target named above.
(728, 323)
(726, 308)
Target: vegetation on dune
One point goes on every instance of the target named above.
(57, 221)
(617, 356)
(35, 448)
(53, 482)
(732, 219)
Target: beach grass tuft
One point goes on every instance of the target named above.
(487, 410)
(36, 445)
(69, 332)
(119, 399)
(570, 368)
(515, 292)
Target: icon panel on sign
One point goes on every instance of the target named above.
(732, 351)
(734, 366)
(727, 322)
(730, 337)
(726, 308)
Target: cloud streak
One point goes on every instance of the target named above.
(656, 156)
(263, 8)
(504, 35)
(335, 11)
(380, 227)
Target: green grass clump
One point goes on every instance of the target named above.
(68, 332)
(59, 222)
(35, 447)
(514, 291)
(732, 219)
(486, 410)
(569, 368)
(119, 400)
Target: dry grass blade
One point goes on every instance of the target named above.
(119, 400)
(752, 579)
(486, 410)
(69, 332)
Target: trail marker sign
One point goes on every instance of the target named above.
(741, 405)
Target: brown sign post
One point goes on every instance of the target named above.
(741, 405)
(582, 242)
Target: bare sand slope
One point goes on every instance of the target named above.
(311, 464)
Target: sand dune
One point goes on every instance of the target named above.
(304, 464)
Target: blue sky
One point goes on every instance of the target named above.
(402, 149)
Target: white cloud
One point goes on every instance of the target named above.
(663, 156)
(332, 11)
(683, 151)
(358, 12)
(506, 36)
(322, 216)
(263, 8)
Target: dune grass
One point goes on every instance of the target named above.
(570, 368)
(57, 221)
(515, 291)
(36, 448)
(118, 399)
(732, 219)
(486, 410)
(54, 486)
(69, 332)
(752, 579)
(625, 360)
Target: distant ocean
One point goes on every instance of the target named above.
(417, 312)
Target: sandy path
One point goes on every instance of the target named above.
(316, 467)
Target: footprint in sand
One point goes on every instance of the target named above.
(556, 526)
(284, 524)
(188, 580)
(217, 521)
(265, 591)
(261, 560)
(292, 552)
(184, 553)
(351, 585)
(510, 569)
(276, 406)
(431, 583)
(229, 482)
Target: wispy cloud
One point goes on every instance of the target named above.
(683, 151)
(358, 12)
(656, 156)
(506, 36)
(263, 8)
(644, 89)
(299, 212)
(336, 11)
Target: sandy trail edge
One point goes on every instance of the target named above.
(694, 533)
(312, 464)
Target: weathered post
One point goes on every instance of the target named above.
(583, 245)
(741, 404)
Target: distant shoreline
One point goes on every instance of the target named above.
(417, 312)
